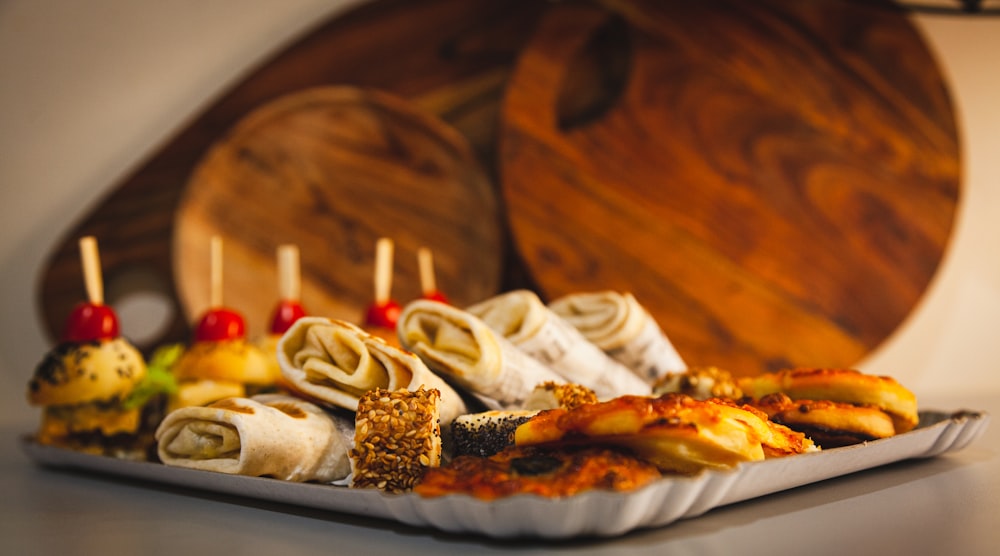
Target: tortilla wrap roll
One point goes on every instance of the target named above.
(456, 344)
(272, 435)
(336, 362)
(624, 329)
(522, 317)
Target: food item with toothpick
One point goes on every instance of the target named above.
(428, 279)
(86, 383)
(383, 312)
(220, 362)
(289, 308)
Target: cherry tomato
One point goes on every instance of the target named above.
(91, 321)
(435, 296)
(383, 314)
(220, 324)
(285, 315)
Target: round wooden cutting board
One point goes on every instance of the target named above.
(332, 169)
(776, 181)
(447, 58)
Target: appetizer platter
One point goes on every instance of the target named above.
(539, 396)
(509, 418)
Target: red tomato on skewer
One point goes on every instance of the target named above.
(435, 296)
(285, 315)
(220, 324)
(89, 322)
(384, 314)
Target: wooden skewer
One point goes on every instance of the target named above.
(289, 280)
(91, 261)
(425, 260)
(215, 268)
(383, 270)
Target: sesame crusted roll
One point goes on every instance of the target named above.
(551, 395)
(700, 383)
(397, 437)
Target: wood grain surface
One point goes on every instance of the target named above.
(332, 169)
(776, 181)
(448, 58)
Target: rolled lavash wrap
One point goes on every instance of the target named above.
(522, 317)
(274, 435)
(336, 362)
(624, 329)
(458, 345)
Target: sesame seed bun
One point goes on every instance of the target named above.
(76, 373)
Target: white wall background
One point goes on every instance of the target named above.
(89, 89)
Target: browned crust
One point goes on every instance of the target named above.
(839, 385)
(699, 383)
(674, 431)
(549, 472)
(830, 424)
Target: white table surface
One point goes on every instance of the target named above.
(949, 504)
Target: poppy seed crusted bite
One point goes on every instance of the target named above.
(485, 434)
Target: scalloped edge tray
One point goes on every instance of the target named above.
(593, 513)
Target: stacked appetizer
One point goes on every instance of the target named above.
(507, 396)
(96, 392)
(221, 361)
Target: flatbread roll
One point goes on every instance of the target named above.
(459, 345)
(272, 435)
(624, 329)
(521, 317)
(336, 362)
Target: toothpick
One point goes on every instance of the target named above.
(383, 269)
(91, 261)
(215, 266)
(289, 282)
(425, 260)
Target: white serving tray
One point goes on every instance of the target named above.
(593, 513)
